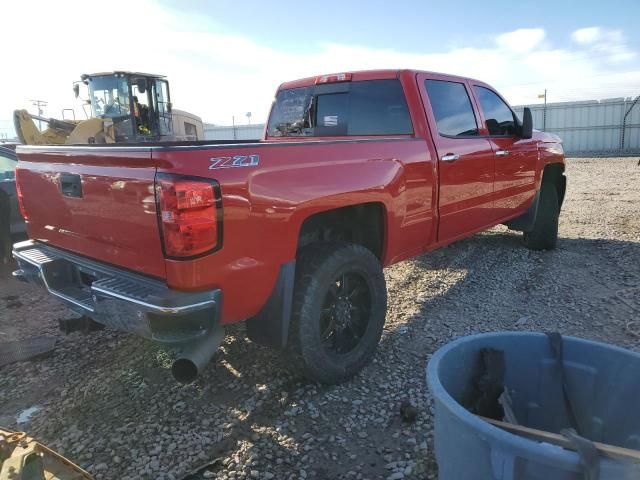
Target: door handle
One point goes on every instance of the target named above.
(502, 153)
(450, 157)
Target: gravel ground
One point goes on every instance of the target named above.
(107, 401)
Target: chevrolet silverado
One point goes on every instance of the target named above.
(356, 171)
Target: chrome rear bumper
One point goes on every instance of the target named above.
(118, 298)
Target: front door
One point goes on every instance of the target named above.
(515, 158)
(465, 159)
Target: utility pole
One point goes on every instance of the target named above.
(544, 112)
(39, 104)
(233, 123)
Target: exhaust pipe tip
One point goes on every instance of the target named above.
(184, 370)
(195, 356)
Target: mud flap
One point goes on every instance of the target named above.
(525, 222)
(270, 327)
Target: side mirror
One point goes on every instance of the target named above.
(526, 130)
(169, 107)
(142, 85)
(76, 90)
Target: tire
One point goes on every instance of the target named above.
(544, 234)
(339, 310)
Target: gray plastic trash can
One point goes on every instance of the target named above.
(603, 383)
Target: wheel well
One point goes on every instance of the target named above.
(360, 224)
(554, 173)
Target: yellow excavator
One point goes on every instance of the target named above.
(23, 458)
(126, 107)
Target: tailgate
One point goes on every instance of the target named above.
(98, 202)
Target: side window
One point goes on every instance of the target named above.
(498, 115)
(7, 167)
(452, 108)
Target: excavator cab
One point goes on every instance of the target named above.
(126, 107)
(138, 104)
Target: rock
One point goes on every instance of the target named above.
(396, 476)
(408, 411)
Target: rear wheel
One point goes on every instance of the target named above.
(339, 311)
(544, 234)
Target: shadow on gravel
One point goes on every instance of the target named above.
(118, 391)
(585, 287)
(495, 284)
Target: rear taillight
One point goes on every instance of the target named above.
(189, 215)
(23, 210)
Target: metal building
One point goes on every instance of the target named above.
(233, 132)
(598, 127)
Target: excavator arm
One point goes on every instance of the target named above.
(58, 132)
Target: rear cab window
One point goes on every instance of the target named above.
(451, 108)
(361, 108)
(499, 118)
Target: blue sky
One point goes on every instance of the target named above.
(225, 58)
(410, 26)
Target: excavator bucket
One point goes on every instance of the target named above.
(93, 130)
(29, 134)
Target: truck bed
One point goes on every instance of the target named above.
(115, 221)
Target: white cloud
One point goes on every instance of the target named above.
(587, 35)
(608, 44)
(220, 75)
(522, 40)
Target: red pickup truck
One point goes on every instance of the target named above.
(356, 171)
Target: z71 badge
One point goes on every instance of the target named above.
(235, 161)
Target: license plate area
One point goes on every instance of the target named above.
(70, 282)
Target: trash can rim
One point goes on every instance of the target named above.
(525, 446)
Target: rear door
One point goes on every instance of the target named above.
(515, 158)
(94, 201)
(465, 159)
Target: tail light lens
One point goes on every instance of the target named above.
(23, 210)
(189, 215)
